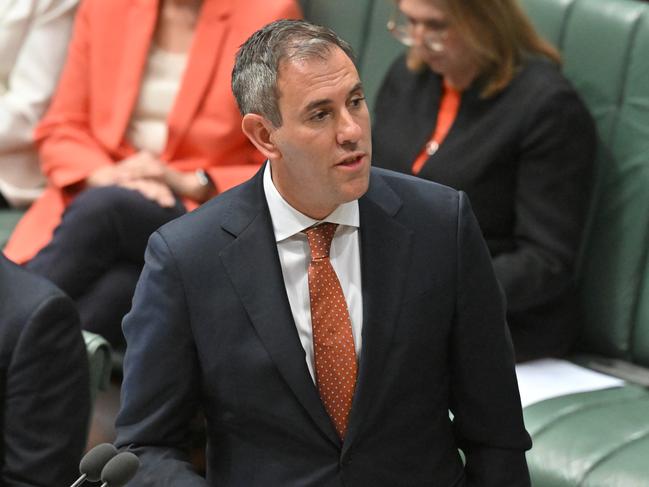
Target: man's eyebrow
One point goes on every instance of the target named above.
(327, 101)
(317, 104)
(357, 87)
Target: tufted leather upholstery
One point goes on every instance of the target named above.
(605, 44)
(594, 439)
(602, 438)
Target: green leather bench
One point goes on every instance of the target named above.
(601, 439)
(594, 439)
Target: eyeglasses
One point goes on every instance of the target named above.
(404, 28)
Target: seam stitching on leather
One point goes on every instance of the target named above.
(634, 438)
(579, 408)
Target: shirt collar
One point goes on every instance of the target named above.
(287, 221)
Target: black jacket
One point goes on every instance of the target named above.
(45, 394)
(525, 158)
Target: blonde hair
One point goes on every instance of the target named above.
(500, 36)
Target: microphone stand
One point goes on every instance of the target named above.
(80, 481)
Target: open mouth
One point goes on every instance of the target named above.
(352, 161)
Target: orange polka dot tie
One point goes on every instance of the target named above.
(333, 342)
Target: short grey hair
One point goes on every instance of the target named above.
(255, 73)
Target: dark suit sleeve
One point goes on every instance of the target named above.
(485, 401)
(47, 404)
(553, 183)
(160, 391)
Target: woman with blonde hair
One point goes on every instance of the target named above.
(478, 103)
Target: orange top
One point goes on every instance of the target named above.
(448, 108)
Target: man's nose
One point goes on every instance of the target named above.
(349, 131)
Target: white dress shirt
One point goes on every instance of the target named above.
(34, 37)
(294, 256)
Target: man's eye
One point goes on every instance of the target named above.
(319, 116)
(357, 102)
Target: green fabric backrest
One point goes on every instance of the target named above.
(605, 46)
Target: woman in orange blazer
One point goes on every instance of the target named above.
(87, 140)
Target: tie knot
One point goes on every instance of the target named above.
(320, 238)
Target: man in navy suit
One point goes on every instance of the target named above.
(44, 384)
(314, 377)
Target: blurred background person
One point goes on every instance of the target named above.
(34, 37)
(478, 103)
(143, 128)
(44, 386)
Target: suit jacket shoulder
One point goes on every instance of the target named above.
(219, 219)
(42, 361)
(20, 294)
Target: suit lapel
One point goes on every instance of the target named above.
(207, 46)
(385, 254)
(264, 297)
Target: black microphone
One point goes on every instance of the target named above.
(93, 462)
(119, 469)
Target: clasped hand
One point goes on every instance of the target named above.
(141, 172)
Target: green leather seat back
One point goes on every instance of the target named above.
(601, 438)
(362, 23)
(549, 18)
(634, 124)
(380, 50)
(98, 351)
(604, 44)
(8, 220)
(348, 18)
(99, 360)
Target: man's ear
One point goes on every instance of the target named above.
(258, 130)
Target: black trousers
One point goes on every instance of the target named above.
(97, 253)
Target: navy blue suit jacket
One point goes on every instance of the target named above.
(44, 384)
(211, 329)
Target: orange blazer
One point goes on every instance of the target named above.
(85, 126)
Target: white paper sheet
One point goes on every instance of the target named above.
(547, 378)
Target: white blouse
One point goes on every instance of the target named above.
(163, 74)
